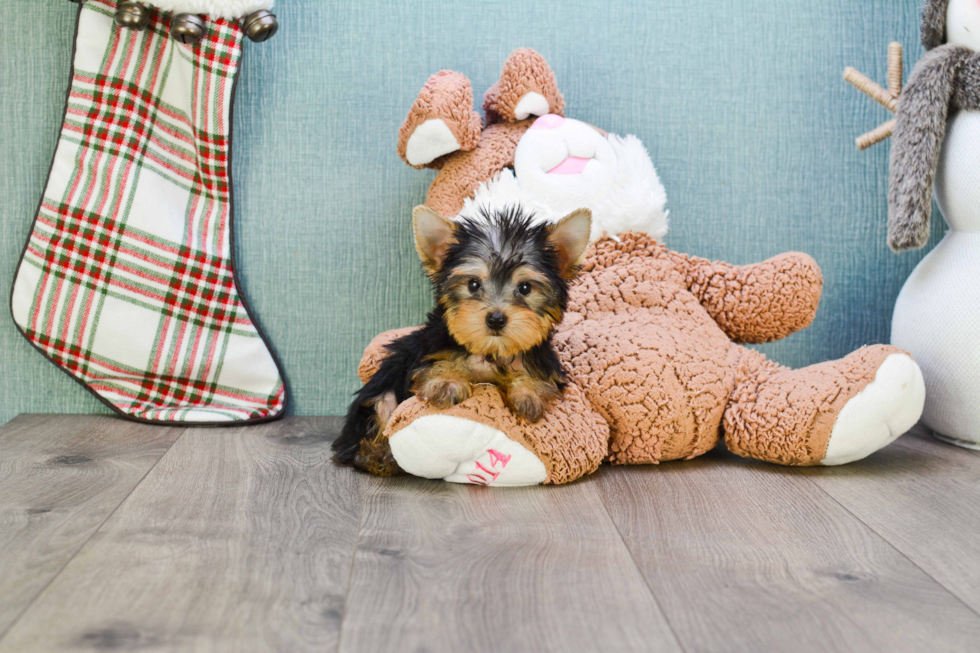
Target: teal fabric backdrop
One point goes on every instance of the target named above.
(740, 103)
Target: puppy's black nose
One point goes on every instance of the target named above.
(496, 320)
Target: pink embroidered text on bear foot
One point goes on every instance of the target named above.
(496, 458)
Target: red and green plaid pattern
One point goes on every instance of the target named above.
(126, 281)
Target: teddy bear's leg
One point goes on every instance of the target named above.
(527, 87)
(440, 122)
(827, 414)
(459, 450)
(481, 442)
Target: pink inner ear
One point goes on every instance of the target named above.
(573, 165)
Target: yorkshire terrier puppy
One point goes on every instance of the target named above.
(501, 286)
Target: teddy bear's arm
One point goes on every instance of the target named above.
(751, 303)
(756, 303)
(375, 352)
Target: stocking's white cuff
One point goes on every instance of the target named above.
(230, 9)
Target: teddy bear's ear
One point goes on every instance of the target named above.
(570, 237)
(433, 236)
(441, 121)
(527, 87)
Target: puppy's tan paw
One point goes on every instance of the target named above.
(530, 398)
(444, 392)
(525, 403)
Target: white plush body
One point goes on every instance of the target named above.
(230, 9)
(616, 180)
(937, 315)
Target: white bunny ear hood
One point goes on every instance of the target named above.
(617, 182)
(229, 9)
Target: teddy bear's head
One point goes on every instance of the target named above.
(529, 154)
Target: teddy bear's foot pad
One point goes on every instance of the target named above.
(532, 104)
(875, 417)
(462, 451)
(430, 140)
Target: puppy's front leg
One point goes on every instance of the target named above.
(529, 397)
(443, 384)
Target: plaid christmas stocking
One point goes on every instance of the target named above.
(127, 280)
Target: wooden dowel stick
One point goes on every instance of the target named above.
(869, 88)
(878, 135)
(895, 69)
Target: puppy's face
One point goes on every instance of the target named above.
(498, 307)
(501, 281)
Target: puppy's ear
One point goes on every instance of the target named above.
(570, 238)
(433, 236)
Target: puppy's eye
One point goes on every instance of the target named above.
(524, 289)
(474, 286)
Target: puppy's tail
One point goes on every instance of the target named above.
(362, 442)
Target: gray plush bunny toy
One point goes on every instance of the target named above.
(936, 147)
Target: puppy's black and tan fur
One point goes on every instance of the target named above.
(501, 286)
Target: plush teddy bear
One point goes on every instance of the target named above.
(649, 340)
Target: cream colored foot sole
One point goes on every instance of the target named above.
(461, 451)
(875, 417)
(430, 140)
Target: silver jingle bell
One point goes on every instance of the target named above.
(187, 28)
(261, 25)
(132, 15)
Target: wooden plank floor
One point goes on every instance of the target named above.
(117, 536)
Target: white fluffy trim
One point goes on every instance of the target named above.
(629, 198)
(230, 9)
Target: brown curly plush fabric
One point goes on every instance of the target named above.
(649, 335)
(525, 71)
(449, 96)
(571, 440)
(655, 376)
(463, 172)
(751, 303)
(375, 352)
(786, 416)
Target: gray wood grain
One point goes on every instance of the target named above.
(923, 497)
(60, 478)
(249, 539)
(744, 556)
(238, 540)
(443, 567)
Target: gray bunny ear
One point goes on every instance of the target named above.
(933, 29)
